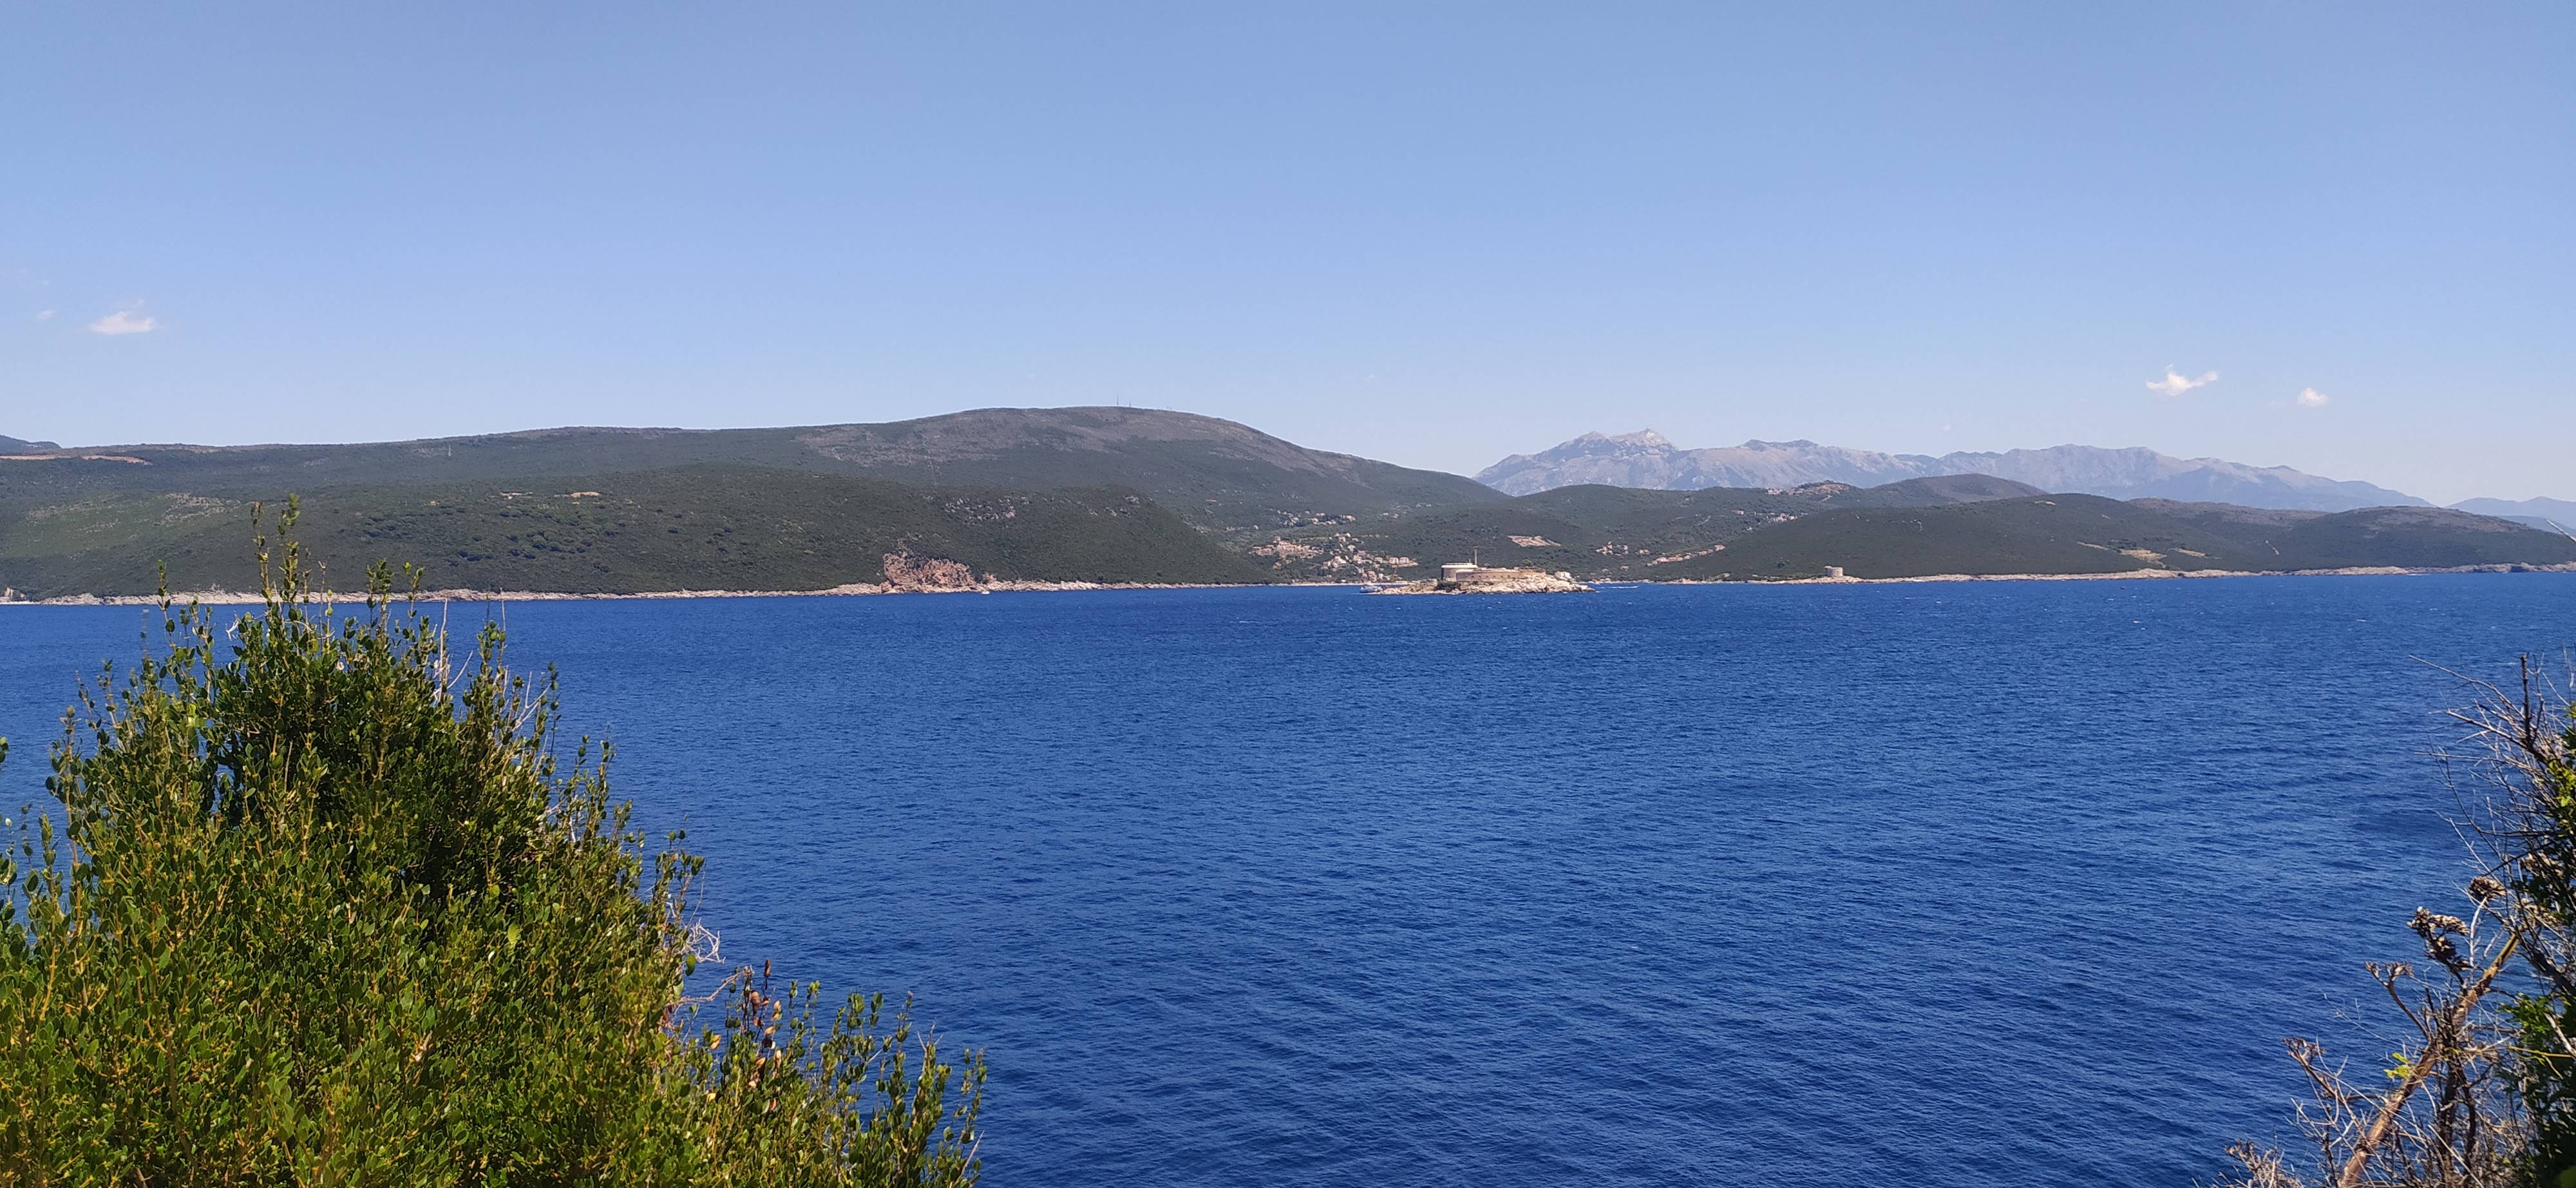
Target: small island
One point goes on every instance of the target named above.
(1466, 577)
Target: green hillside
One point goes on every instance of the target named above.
(2089, 534)
(1213, 473)
(704, 527)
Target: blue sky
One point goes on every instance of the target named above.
(1430, 233)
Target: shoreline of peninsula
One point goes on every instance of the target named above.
(861, 590)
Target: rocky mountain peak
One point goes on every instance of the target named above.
(2129, 473)
(1611, 443)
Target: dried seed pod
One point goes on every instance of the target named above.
(2440, 948)
(2428, 924)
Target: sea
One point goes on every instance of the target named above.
(1931, 884)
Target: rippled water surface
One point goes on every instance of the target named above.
(1926, 884)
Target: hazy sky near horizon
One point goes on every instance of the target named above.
(1430, 233)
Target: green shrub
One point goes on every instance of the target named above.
(324, 909)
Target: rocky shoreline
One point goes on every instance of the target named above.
(1540, 584)
(1537, 586)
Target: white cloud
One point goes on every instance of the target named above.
(44, 315)
(2311, 398)
(2175, 383)
(122, 322)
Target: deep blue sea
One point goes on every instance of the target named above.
(1945, 885)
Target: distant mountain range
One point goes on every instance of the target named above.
(2556, 514)
(1142, 495)
(1645, 459)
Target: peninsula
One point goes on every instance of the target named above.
(1083, 498)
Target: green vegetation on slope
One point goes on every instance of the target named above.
(2090, 534)
(1210, 472)
(324, 910)
(699, 527)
